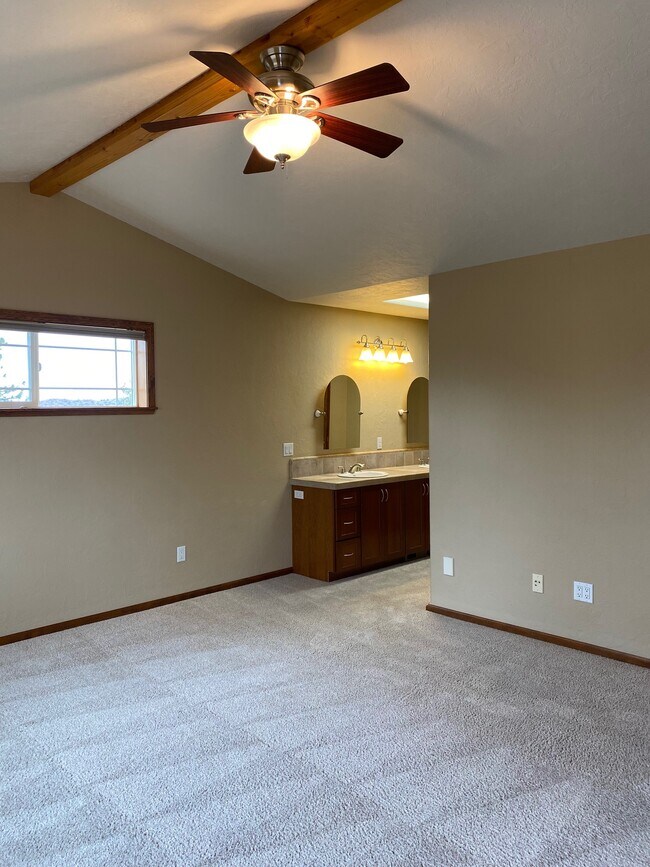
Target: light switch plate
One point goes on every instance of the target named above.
(380, 442)
(287, 450)
(448, 566)
(180, 554)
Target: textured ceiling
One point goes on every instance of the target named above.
(526, 129)
(374, 299)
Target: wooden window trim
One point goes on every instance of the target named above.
(147, 328)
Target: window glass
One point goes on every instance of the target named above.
(14, 373)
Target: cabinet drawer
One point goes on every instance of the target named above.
(348, 555)
(346, 499)
(347, 524)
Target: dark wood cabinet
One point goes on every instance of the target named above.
(338, 533)
(416, 511)
(382, 524)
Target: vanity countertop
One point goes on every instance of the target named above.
(332, 482)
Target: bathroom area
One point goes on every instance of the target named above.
(357, 508)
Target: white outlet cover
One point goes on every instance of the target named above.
(538, 583)
(448, 566)
(583, 592)
(380, 442)
(299, 495)
(287, 450)
(180, 554)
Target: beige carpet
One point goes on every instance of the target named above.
(296, 723)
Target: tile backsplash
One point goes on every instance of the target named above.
(326, 464)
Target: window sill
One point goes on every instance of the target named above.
(82, 410)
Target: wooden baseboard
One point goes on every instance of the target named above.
(141, 606)
(619, 655)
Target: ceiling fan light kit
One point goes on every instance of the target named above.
(282, 137)
(287, 119)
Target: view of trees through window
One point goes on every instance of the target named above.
(46, 370)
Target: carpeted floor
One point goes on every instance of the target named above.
(296, 723)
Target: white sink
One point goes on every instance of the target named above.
(363, 474)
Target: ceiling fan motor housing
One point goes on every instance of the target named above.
(282, 76)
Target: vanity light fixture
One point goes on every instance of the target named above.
(375, 351)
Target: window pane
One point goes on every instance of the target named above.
(51, 398)
(125, 370)
(14, 374)
(76, 368)
(77, 341)
(14, 337)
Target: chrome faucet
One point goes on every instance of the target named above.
(355, 468)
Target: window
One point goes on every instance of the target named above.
(71, 365)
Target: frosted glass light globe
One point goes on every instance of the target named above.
(275, 134)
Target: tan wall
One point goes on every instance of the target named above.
(540, 440)
(92, 509)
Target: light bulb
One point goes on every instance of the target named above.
(274, 135)
(392, 356)
(380, 355)
(366, 354)
(406, 357)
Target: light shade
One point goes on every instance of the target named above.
(366, 354)
(380, 355)
(282, 134)
(406, 357)
(392, 356)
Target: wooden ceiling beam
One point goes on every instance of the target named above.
(316, 25)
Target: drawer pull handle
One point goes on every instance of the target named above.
(348, 523)
(348, 555)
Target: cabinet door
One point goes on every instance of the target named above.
(426, 525)
(372, 499)
(392, 522)
(415, 504)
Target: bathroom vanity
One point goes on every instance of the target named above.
(343, 526)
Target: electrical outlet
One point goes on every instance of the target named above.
(538, 583)
(380, 442)
(180, 554)
(287, 450)
(448, 566)
(583, 592)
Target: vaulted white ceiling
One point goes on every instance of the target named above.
(526, 129)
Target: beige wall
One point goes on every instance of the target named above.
(540, 440)
(92, 509)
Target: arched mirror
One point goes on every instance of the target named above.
(417, 403)
(342, 414)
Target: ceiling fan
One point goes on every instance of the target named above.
(287, 118)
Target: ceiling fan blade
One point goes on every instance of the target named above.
(375, 81)
(257, 163)
(180, 122)
(372, 141)
(226, 65)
